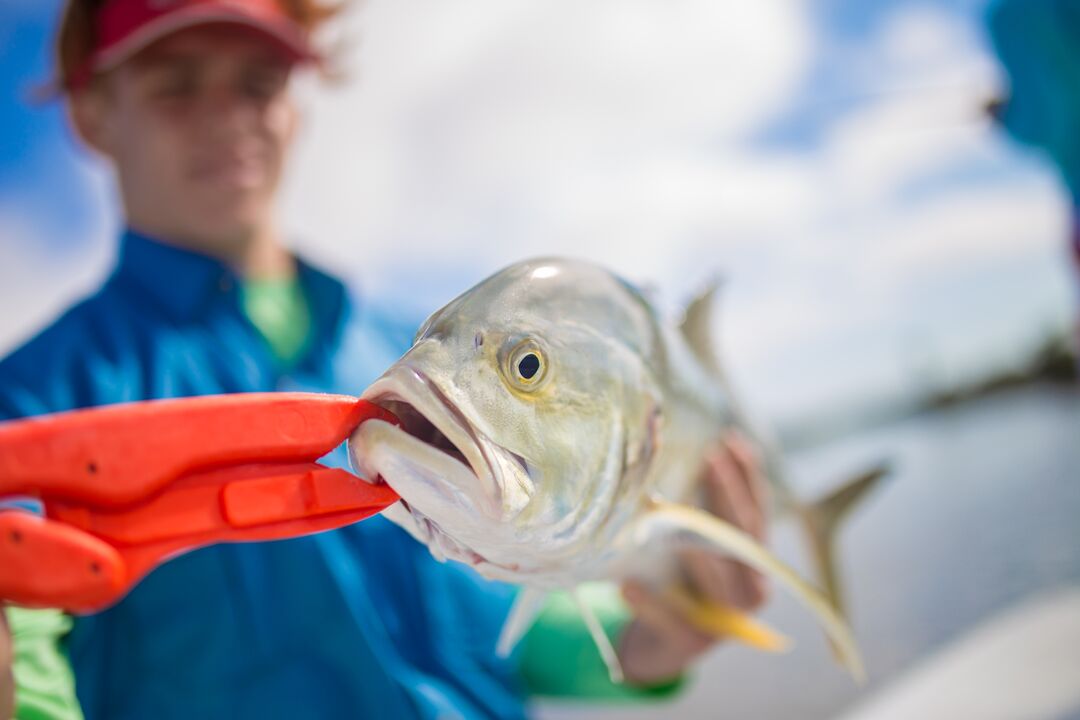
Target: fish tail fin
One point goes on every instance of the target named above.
(821, 522)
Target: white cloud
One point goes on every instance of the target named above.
(472, 134)
(976, 226)
(545, 119)
(617, 130)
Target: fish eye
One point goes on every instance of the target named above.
(526, 366)
(529, 365)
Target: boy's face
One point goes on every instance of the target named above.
(197, 126)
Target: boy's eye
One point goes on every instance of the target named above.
(175, 85)
(263, 85)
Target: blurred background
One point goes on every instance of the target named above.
(897, 276)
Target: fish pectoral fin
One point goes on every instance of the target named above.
(693, 527)
(527, 606)
(603, 642)
(725, 622)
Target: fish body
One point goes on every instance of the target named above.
(553, 432)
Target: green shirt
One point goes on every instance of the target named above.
(560, 659)
(44, 686)
(279, 311)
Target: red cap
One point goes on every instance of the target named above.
(124, 27)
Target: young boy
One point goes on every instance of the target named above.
(189, 102)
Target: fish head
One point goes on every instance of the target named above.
(521, 403)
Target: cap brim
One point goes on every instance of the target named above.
(282, 32)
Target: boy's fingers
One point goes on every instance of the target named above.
(733, 493)
(659, 643)
(663, 620)
(748, 459)
(729, 495)
(725, 581)
(713, 576)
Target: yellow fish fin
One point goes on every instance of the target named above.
(722, 621)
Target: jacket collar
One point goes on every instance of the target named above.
(189, 284)
(181, 281)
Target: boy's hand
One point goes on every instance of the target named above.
(661, 642)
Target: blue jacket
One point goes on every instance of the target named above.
(1038, 43)
(359, 622)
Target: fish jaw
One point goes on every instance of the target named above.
(433, 509)
(449, 475)
(427, 414)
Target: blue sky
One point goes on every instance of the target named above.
(36, 159)
(828, 159)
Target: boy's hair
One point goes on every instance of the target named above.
(76, 39)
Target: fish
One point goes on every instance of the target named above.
(553, 430)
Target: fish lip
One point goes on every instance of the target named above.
(410, 386)
(413, 387)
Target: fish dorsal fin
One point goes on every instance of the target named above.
(696, 325)
(603, 643)
(527, 605)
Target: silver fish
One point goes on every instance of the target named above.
(553, 431)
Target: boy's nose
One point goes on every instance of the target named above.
(228, 111)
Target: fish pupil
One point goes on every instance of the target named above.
(528, 366)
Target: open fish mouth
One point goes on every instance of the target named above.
(420, 427)
(428, 415)
(468, 476)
